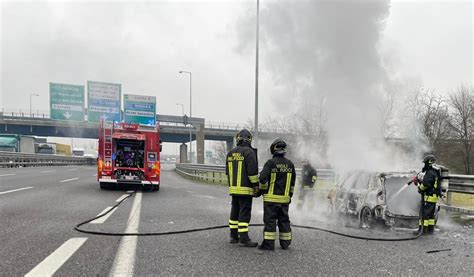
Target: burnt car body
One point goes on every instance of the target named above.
(382, 197)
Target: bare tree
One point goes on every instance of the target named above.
(461, 103)
(431, 111)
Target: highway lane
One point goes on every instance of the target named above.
(38, 222)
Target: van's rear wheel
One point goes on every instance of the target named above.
(366, 218)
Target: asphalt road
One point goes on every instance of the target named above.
(39, 208)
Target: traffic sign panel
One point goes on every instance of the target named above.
(104, 101)
(66, 102)
(140, 109)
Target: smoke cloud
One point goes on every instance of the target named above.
(328, 52)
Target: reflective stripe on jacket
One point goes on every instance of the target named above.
(242, 170)
(277, 180)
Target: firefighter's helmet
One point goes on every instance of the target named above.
(243, 136)
(278, 147)
(429, 159)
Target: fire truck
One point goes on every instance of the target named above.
(128, 155)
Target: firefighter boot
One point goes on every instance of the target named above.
(430, 230)
(267, 245)
(234, 236)
(246, 241)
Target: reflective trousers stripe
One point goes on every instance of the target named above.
(243, 230)
(276, 198)
(425, 222)
(233, 226)
(233, 221)
(431, 199)
(243, 224)
(431, 222)
(285, 236)
(269, 235)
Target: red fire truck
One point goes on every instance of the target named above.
(129, 154)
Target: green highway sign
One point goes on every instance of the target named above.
(66, 102)
(139, 109)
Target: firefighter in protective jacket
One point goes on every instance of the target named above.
(242, 175)
(429, 187)
(309, 176)
(277, 181)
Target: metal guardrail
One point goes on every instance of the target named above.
(463, 184)
(15, 159)
(216, 173)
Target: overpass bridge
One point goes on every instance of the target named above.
(172, 129)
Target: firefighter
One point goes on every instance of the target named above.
(429, 188)
(242, 175)
(308, 180)
(277, 181)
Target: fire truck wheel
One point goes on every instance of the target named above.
(156, 188)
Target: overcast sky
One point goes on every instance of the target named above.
(143, 46)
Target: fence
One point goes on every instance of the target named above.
(463, 184)
(15, 159)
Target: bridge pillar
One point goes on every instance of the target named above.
(230, 145)
(183, 153)
(200, 144)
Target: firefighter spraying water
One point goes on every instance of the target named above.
(428, 182)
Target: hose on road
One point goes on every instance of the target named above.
(79, 229)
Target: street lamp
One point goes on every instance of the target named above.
(190, 110)
(256, 79)
(31, 95)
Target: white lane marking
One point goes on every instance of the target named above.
(48, 171)
(3, 175)
(13, 190)
(71, 169)
(189, 191)
(54, 261)
(69, 180)
(95, 175)
(121, 198)
(124, 261)
(205, 196)
(105, 217)
(130, 191)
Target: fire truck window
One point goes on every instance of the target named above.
(130, 153)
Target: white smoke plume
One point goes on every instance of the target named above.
(314, 50)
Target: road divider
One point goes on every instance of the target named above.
(5, 175)
(121, 198)
(124, 261)
(101, 220)
(69, 180)
(14, 190)
(54, 261)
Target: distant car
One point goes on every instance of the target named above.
(380, 197)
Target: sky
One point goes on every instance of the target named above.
(143, 45)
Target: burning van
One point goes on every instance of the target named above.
(379, 198)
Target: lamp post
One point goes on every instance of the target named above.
(190, 111)
(256, 79)
(31, 95)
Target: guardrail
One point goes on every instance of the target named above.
(15, 159)
(216, 173)
(463, 184)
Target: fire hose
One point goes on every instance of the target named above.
(79, 229)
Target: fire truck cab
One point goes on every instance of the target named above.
(129, 155)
